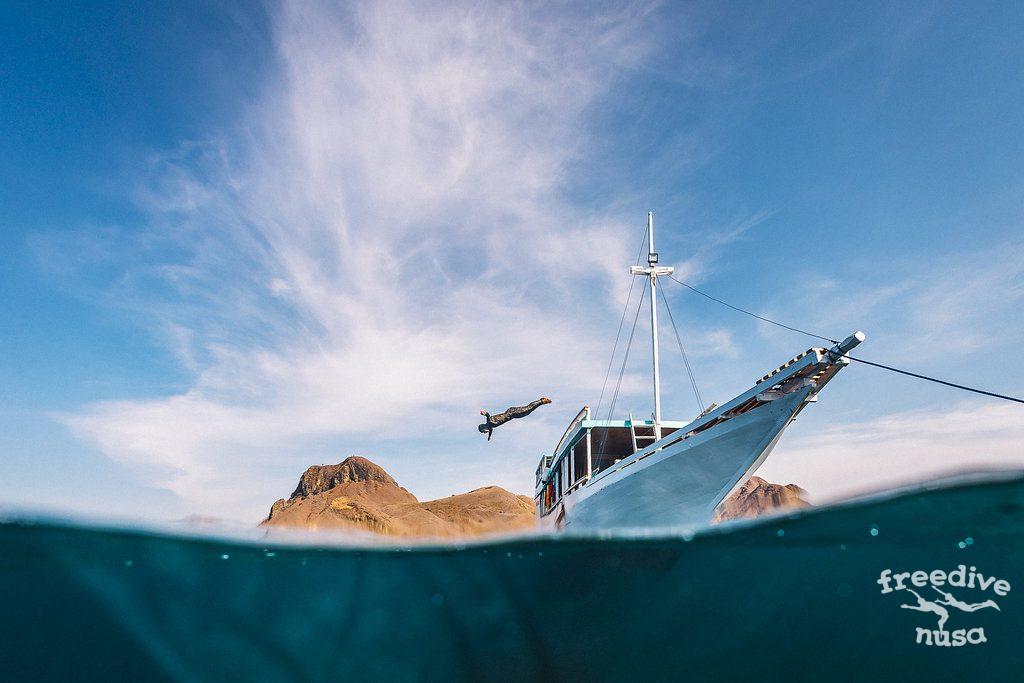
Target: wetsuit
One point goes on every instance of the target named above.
(510, 414)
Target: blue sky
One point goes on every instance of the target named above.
(239, 240)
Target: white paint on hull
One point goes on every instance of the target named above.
(680, 485)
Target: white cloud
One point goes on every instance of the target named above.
(383, 248)
(900, 448)
(919, 311)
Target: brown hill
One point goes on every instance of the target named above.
(357, 494)
(757, 497)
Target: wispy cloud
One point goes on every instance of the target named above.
(922, 311)
(382, 248)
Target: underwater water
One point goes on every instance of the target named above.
(796, 598)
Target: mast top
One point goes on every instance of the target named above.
(653, 270)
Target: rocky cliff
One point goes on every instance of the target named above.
(357, 494)
(756, 497)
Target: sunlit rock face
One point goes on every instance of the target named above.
(757, 497)
(357, 494)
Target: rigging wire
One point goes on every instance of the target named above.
(682, 351)
(755, 315)
(937, 381)
(622, 370)
(622, 319)
(844, 355)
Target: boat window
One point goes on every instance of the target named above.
(548, 496)
(579, 457)
(609, 444)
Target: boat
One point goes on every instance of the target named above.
(629, 473)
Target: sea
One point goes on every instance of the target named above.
(920, 584)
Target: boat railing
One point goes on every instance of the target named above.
(579, 484)
(584, 414)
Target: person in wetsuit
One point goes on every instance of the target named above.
(492, 421)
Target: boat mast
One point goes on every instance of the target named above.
(652, 271)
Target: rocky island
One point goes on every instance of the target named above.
(357, 494)
(756, 497)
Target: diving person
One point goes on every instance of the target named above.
(492, 421)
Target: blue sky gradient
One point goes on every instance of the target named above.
(238, 240)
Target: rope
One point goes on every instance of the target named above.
(937, 381)
(975, 390)
(622, 319)
(682, 351)
(625, 357)
(755, 315)
(622, 370)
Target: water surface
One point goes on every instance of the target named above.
(792, 597)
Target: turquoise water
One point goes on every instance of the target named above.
(794, 598)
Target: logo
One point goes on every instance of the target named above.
(930, 593)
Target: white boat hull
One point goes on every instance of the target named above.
(681, 484)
